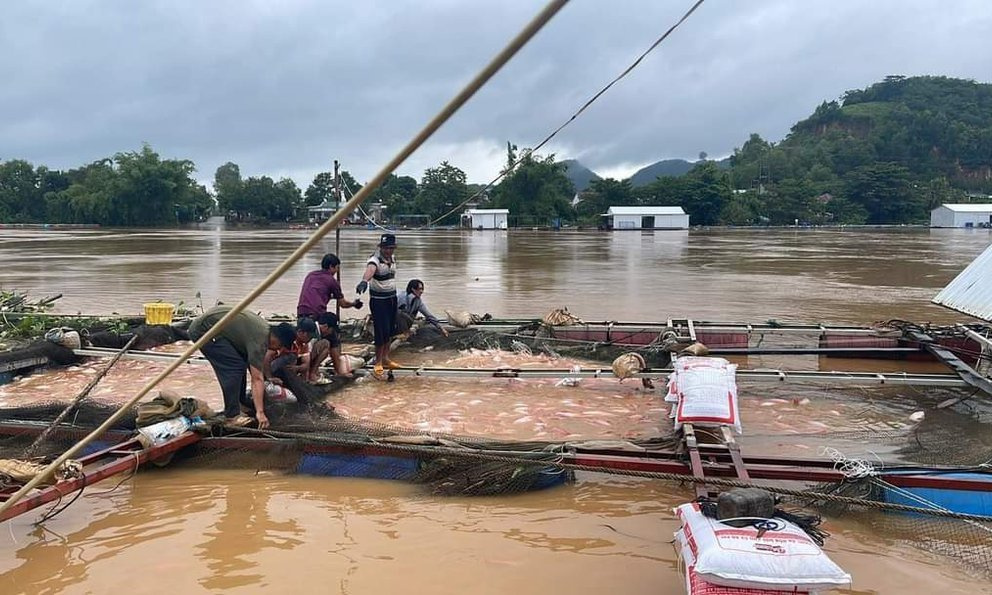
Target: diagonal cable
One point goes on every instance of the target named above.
(529, 152)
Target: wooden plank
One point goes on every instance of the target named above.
(121, 458)
(952, 361)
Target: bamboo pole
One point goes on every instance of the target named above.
(78, 399)
(531, 29)
(337, 230)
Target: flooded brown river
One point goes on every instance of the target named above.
(198, 529)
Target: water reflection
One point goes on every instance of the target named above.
(244, 529)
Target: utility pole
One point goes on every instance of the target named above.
(337, 230)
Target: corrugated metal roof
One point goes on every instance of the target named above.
(645, 211)
(969, 207)
(971, 291)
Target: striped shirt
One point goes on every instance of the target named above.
(382, 285)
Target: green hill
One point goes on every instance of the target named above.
(884, 154)
(581, 176)
(668, 167)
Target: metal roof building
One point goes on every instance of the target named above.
(486, 218)
(971, 291)
(646, 218)
(961, 215)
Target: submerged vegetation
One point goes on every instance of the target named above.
(885, 154)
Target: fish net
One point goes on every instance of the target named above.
(311, 438)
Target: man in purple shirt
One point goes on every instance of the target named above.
(319, 287)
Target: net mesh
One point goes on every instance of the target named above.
(312, 439)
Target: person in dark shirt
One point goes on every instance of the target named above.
(320, 287)
(328, 344)
(239, 350)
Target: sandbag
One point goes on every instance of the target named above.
(560, 317)
(783, 558)
(628, 364)
(64, 336)
(706, 392)
(462, 319)
(696, 349)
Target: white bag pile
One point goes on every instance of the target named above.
(704, 390)
(783, 558)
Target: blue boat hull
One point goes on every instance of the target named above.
(962, 501)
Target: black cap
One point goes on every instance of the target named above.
(329, 319)
(387, 240)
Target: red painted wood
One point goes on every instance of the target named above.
(128, 456)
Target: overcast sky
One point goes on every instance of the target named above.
(283, 88)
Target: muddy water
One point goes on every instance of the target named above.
(829, 275)
(207, 530)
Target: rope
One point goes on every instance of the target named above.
(446, 112)
(528, 152)
(360, 209)
(532, 459)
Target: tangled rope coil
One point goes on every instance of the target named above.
(851, 468)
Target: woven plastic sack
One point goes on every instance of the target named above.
(781, 559)
(461, 319)
(628, 364)
(560, 317)
(64, 336)
(707, 392)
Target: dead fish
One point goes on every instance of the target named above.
(819, 424)
(524, 420)
(475, 402)
(917, 417)
(768, 404)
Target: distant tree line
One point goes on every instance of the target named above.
(129, 189)
(886, 154)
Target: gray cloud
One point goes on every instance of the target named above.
(284, 88)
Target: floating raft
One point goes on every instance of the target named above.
(963, 490)
(763, 375)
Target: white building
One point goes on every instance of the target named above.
(646, 218)
(485, 218)
(961, 215)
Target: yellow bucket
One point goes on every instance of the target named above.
(159, 313)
